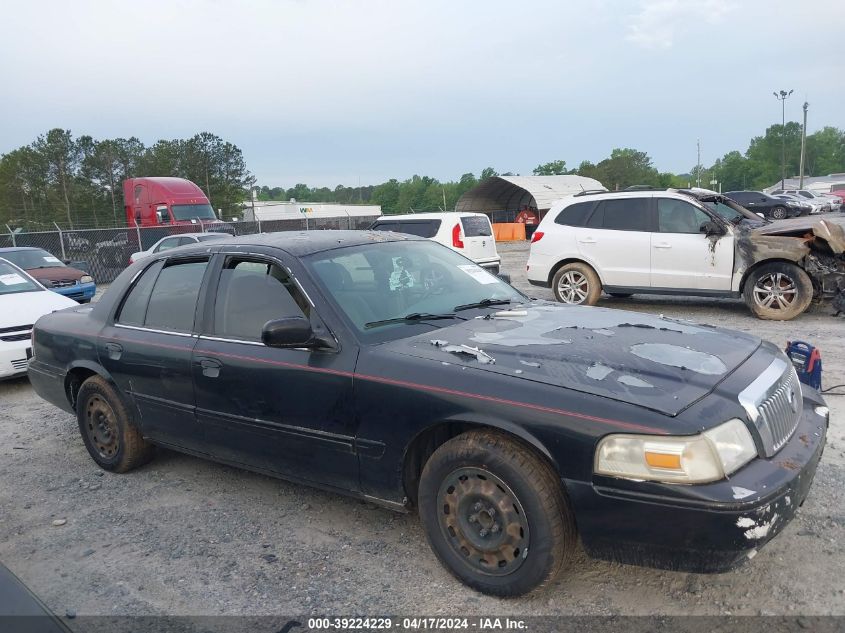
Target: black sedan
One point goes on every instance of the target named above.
(391, 368)
(769, 206)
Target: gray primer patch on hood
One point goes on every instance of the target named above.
(597, 371)
(633, 381)
(683, 357)
(533, 330)
(603, 331)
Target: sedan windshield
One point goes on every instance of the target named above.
(12, 280)
(193, 212)
(30, 259)
(396, 289)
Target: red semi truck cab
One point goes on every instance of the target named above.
(164, 201)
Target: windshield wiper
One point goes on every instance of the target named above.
(413, 318)
(483, 304)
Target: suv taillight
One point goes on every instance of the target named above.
(537, 236)
(457, 242)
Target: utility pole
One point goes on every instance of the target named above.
(782, 97)
(698, 163)
(803, 146)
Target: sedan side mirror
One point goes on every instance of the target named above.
(711, 228)
(287, 332)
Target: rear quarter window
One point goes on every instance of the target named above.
(575, 214)
(476, 226)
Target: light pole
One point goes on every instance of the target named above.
(803, 147)
(782, 96)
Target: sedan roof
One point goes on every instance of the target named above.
(302, 243)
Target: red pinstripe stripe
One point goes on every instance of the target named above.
(412, 385)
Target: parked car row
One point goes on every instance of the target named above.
(52, 273)
(820, 202)
(22, 302)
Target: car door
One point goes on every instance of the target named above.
(616, 241)
(146, 348)
(288, 411)
(684, 257)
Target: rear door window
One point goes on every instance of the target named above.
(475, 226)
(576, 214)
(173, 301)
(631, 214)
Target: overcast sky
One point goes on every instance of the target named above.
(345, 92)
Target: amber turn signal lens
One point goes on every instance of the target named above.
(663, 460)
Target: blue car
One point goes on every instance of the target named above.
(52, 273)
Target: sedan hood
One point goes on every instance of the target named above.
(54, 273)
(661, 364)
(25, 308)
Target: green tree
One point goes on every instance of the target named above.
(554, 168)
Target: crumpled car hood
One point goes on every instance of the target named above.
(830, 228)
(661, 364)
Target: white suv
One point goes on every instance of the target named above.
(690, 242)
(470, 234)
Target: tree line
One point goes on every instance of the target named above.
(77, 181)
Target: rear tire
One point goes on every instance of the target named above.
(495, 514)
(104, 422)
(577, 283)
(778, 291)
(779, 213)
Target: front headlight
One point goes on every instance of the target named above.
(691, 459)
(86, 279)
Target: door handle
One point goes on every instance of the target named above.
(114, 350)
(663, 245)
(587, 240)
(210, 367)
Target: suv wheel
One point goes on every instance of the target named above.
(778, 291)
(577, 283)
(779, 213)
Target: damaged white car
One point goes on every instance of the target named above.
(686, 242)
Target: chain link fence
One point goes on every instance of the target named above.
(104, 253)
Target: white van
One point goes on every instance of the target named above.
(470, 234)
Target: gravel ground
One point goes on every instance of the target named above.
(185, 536)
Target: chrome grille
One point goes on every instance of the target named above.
(64, 283)
(773, 403)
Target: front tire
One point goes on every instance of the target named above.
(577, 283)
(778, 291)
(495, 514)
(104, 422)
(779, 213)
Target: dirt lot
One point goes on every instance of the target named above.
(185, 536)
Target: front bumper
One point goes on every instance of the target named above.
(78, 292)
(707, 527)
(14, 358)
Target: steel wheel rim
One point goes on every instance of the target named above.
(573, 287)
(775, 291)
(101, 427)
(483, 521)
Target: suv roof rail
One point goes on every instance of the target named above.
(591, 192)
